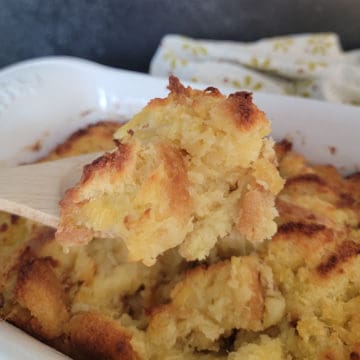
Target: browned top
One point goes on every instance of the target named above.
(283, 147)
(245, 114)
(95, 336)
(94, 137)
(110, 161)
(38, 286)
(343, 253)
(306, 229)
(175, 86)
(212, 90)
(238, 106)
(308, 242)
(306, 178)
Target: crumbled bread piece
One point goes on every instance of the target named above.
(36, 286)
(210, 302)
(188, 170)
(266, 348)
(94, 336)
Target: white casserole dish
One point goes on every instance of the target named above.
(43, 101)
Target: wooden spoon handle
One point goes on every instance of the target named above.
(34, 191)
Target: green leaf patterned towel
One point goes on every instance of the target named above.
(310, 65)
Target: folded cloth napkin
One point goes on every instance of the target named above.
(310, 65)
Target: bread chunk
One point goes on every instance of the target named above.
(188, 170)
(210, 302)
(95, 336)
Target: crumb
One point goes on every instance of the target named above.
(332, 150)
(35, 147)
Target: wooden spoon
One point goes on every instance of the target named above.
(34, 191)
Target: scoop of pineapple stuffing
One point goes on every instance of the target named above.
(188, 170)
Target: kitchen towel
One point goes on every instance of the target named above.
(309, 65)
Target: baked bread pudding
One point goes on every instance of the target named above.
(295, 296)
(188, 170)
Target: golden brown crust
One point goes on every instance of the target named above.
(298, 244)
(300, 228)
(343, 253)
(112, 162)
(282, 148)
(307, 179)
(38, 289)
(212, 90)
(290, 212)
(241, 106)
(310, 238)
(315, 258)
(94, 137)
(94, 336)
(176, 87)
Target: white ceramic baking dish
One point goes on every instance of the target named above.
(43, 101)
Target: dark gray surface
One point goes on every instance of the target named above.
(126, 33)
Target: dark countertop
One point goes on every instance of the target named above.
(126, 33)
